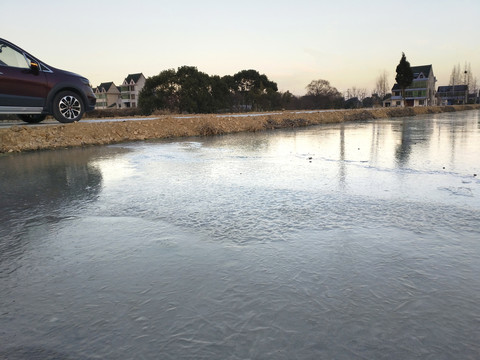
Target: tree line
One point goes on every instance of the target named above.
(188, 90)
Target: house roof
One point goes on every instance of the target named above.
(425, 69)
(105, 86)
(134, 77)
(449, 88)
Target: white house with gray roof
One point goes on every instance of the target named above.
(130, 89)
(124, 96)
(108, 96)
(420, 93)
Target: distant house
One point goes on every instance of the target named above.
(452, 95)
(474, 98)
(108, 96)
(420, 93)
(130, 89)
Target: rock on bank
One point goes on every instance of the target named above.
(28, 137)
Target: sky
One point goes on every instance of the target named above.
(349, 43)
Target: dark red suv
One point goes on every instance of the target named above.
(32, 90)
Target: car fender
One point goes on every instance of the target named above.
(63, 87)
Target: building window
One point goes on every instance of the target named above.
(398, 103)
(421, 102)
(418, 85)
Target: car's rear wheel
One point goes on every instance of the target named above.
(68, 107)
(32, 118)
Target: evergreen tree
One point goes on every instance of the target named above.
(404, 76)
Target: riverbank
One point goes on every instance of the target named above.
(20, 138)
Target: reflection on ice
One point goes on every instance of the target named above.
(340, 241)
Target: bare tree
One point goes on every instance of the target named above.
(474, 86)
(467, 75)
(382, 87)
(321, 88)
(321, 95)
(359, 93)
(456, 76)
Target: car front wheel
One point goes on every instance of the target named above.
(32, 118)
(68, 107)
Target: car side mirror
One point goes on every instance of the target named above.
(34, 67)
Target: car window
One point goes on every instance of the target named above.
(11, 57)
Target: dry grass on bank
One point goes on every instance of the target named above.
(28, 138)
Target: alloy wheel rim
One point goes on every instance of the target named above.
(70, 107)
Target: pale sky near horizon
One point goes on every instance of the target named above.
(349, 43)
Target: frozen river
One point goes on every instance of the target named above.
(346, 241)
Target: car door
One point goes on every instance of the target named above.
(21, 87)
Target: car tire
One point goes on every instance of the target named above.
(32, 118)
(68, 107)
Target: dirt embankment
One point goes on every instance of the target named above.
(28, 138)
